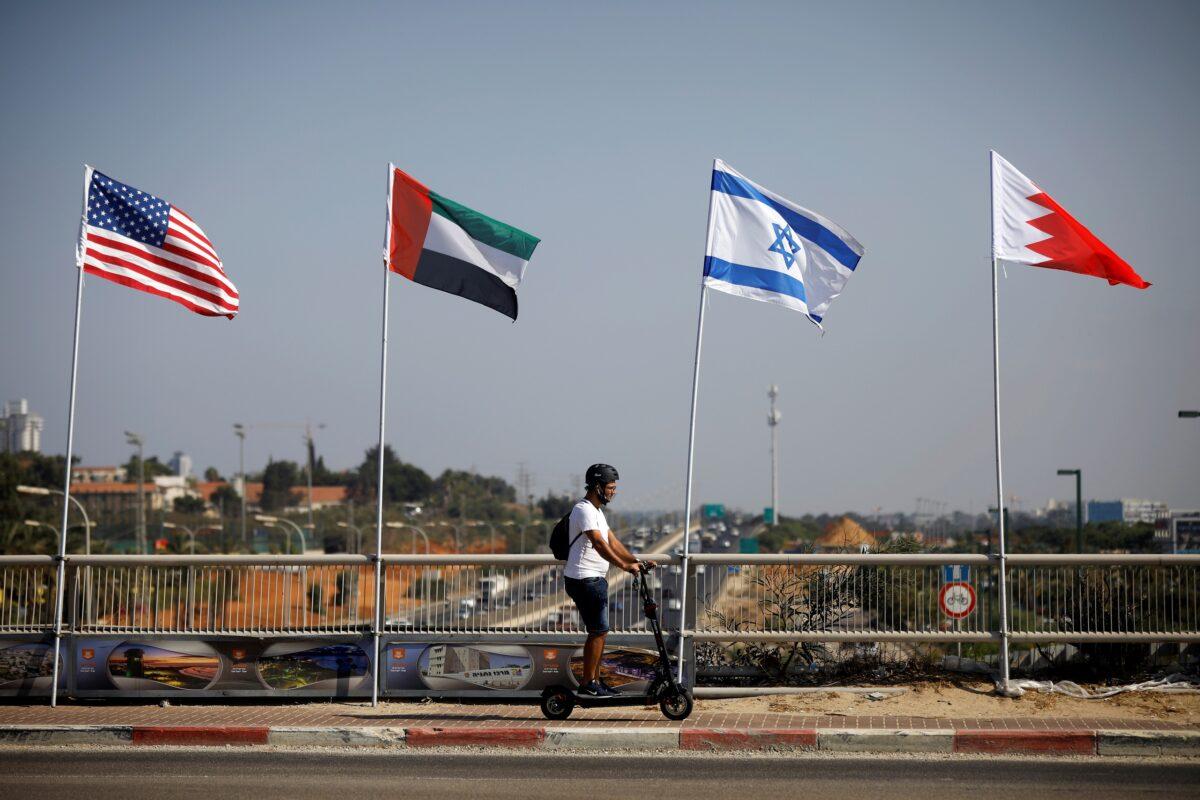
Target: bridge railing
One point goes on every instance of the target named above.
(867, 597)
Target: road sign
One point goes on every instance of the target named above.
(953, 573)
(768, 516)
(957, 599)
(714, 511)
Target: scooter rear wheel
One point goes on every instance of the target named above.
(676, 706)
(557, 705)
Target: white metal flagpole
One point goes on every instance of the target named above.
(1003, 565)
(61, 572)
(380, 596)
(687, 492)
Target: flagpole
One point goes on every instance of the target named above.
(687, 498)
(380, 596)
(61, 571)
(687, 493)
(1003, 566)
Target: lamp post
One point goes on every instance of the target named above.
(137, 441)
(1078, 506)
(773, 417)
(239, 430)
(87, 523)
(191, 533)
(357, 536)
(415, 529)
(1189, 414)
(33, 523)
(272, 521)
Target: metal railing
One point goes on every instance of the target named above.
(731, 597)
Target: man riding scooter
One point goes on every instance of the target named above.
(593, 547)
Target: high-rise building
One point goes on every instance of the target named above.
(21, 429)
(181, 464)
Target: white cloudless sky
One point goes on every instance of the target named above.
(593, 127)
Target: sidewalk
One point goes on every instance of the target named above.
(443, 724)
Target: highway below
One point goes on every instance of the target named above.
(296, 775)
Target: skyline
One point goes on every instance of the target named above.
(597, 135)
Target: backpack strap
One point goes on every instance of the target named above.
(572, 544)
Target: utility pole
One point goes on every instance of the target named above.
(239, 430)
(137, 441)
(1078, 506)
(773, 424)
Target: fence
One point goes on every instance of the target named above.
(865, 598)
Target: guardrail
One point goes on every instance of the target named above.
(729, 598)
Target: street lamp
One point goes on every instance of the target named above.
(33, 523)
(272, 521)
(1078, 506)
(239, 430)
(137, 441)
(87, 523)
(415, 530)
(357, 535)
(191, 533)
(1189, 414)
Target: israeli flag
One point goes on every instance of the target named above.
(767, 248)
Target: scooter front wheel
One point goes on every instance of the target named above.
(676, 706)
(557, 705)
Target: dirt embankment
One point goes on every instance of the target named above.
(940, 700)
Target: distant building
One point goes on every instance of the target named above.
(97, 475)
(20, 429)
(181, 464)
(1128, 510)
(845, 534)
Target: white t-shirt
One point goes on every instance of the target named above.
(583, 561)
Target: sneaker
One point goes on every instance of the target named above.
(596, 689)
(610, 689)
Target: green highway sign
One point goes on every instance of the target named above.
(713, 511)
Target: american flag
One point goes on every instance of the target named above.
(143, 242)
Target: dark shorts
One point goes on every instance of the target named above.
(591, 598)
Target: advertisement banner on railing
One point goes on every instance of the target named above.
(456, 667)
(27, 667)
(153, 666)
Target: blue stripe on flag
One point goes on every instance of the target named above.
(755, 278)
(810, 229)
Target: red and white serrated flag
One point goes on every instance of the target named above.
(1029, 227)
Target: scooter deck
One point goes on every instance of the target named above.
(589, 701)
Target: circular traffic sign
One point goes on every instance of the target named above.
(957, 599)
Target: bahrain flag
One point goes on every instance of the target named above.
(1029, 227)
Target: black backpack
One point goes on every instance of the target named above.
(558, 539)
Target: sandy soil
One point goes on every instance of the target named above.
(973, 700)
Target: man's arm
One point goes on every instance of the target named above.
(610, 554)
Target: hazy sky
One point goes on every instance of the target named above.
(593, 127)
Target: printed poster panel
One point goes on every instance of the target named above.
(334, 668)
(26, 668)
(478, 666)
(161, 666)
(180, 664)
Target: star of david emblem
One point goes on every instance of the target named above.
(784, 245)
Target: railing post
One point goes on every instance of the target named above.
(689, 611)
(377, 624)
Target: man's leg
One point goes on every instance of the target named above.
(593, 649)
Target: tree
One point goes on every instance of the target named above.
(226, 498)
(154, 468)
(189, 504)
(278, 479)
(469, 495)
(212, 475)
(323, 476)
(402, 482)
(555, 506)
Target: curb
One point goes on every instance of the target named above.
(1184, 743)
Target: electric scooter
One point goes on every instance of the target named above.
(674, 700)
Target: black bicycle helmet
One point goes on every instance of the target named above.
(600, 474)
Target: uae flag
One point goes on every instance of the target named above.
(1030, 227)
(444, 245)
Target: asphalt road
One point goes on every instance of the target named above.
(263, 775)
